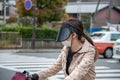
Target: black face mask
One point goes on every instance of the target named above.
(65, 31)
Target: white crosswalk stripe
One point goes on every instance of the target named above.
(33, 64)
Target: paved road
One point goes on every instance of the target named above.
(106, 69)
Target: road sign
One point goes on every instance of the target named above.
(28, 4)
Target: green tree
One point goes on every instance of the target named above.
(47, 10)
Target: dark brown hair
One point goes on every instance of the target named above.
(77, 24)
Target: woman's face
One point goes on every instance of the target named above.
(70, 39)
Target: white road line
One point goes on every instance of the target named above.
(112, 61)
(32, 66)
(32, 69)
(109, 79)
(108, 75)
(102, 67)
(45, 65)
(111, 70)
(28, 60)
(27, 63)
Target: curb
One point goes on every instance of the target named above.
(37, 51)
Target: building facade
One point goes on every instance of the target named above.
(10, 9)
(105, 14)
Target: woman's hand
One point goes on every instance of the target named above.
(34, 77)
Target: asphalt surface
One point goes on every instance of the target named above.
(106, 69)
(112, 63)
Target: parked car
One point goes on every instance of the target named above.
(104, 42)
(116, 50)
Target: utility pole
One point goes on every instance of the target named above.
(79, 9)
(91, 23)
(93, 20)
(4, 9)
(109, 15)
(34, 25)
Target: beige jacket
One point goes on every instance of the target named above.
(81, 68)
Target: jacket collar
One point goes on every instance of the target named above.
(86, 47)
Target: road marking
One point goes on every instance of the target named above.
(102, 67)
(26, 63)
(107, 75)
(109, 79)
(112, 61)
(111, 70)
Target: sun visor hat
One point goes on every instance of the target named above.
(64, 32)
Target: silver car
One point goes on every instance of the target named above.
(116, 50)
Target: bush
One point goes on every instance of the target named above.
(44, 34)
(26, 32)
(11, 29)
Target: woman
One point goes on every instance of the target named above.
(78, 56)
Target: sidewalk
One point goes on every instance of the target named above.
(30, 50)
(37, 50)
